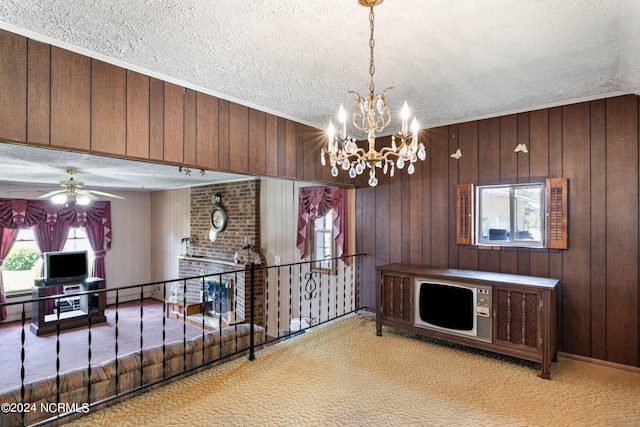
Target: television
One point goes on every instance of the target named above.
(461, 309)
(65, 267)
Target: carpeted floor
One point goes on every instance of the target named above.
(343, 374)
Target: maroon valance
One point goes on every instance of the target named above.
(23, 213)
(315, 202)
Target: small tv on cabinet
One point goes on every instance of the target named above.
(461, 309)
(65, 267)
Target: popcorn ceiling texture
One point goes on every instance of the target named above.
(452, 61)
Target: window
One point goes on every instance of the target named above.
(322, 242)
(533, 215)
(23, 264)
(511, 215)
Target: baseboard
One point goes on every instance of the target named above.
(600, 362)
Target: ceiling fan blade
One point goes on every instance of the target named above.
(87, 193)
(51, 193)
(105, 194)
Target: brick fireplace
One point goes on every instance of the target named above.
(203, 257)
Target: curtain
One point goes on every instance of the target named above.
(50, 237)
(51, 225)
(315, 202)
(7, 238)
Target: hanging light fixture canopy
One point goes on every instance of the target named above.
(372, 114)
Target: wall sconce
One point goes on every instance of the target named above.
(521, 148)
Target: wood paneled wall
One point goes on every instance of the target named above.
(594, 145)
(57, 98)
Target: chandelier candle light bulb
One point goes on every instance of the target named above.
(372, 114)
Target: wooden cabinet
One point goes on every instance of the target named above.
(90, 307)
(397, 298)
(522, 310)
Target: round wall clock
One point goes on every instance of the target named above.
(219, 218)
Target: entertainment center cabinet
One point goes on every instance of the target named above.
(90, 306)
(521, 311)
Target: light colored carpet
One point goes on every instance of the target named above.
(343, 374)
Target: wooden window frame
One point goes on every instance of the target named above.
(556, 215)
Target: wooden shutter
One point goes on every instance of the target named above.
(557, 213)
(464, 213)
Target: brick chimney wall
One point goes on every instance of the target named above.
(242, 201)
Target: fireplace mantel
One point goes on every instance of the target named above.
(210, 260)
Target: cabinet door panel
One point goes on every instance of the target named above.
(397, 298)
(517, 318)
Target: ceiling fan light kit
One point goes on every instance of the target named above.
(73, 192)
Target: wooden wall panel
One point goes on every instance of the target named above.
(108, 108)
(257, 142)
(454, 143)
(39, 93)
(190, 128)
(223, 133)
(271, 145)
(598, 219)
(416, 212)
(238, 138)
(622, 229)
(538, 146)
(282, 147)
(488, 151)
(290, 149)
(207, 131)
(468, 172)
(439, 197)
(13, 86)
(156, 119)
(173, 123)
(576, 291)
(70, 100)
(137, 115)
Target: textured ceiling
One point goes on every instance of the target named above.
(452, 60)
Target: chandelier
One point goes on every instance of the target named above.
(372, 114)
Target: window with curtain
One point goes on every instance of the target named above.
(50, 225)
(23, 264)
(322, 242)
(322, 225)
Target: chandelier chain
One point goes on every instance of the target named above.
(372, 44)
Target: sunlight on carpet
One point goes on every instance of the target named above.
(343, 374)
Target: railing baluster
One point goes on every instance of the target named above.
(141, 333)
(266, 303)
(164, 330)
(58, 352)
(89, 353)
(252, 304)
(278, 318)
(117, 316)
(22, 357)
(184, 324)
(288, 326)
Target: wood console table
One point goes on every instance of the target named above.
(523, 315)
(91, 305)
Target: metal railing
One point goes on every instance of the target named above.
(237, 312)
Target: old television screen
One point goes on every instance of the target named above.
(65, 267)
(447, 306)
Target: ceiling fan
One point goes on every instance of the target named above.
(73, 192)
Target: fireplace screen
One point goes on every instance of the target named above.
(218, 297)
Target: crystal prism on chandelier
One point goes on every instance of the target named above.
(372, 114)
